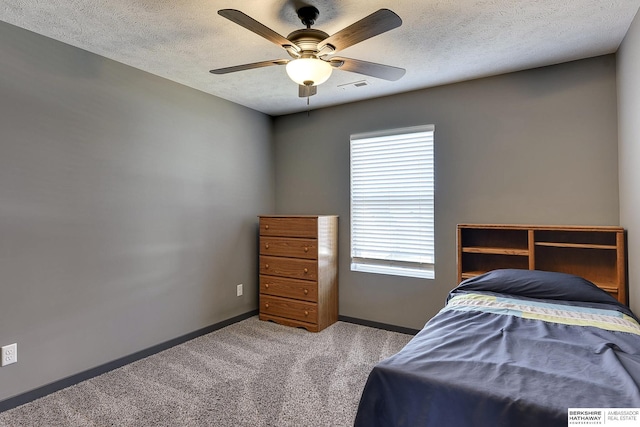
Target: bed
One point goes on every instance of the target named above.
(511, 347)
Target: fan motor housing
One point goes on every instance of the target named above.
(307, 39)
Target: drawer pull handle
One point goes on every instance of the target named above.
(266, 305)
(266, 227)
(306, 313)
(266, 245)
(306, 249)
(306, 291)
(266, 266)
(306, 270)
(266, 285)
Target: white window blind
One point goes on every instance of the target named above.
(392, 212)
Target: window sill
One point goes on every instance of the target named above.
(421, 273)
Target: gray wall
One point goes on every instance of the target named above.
(629, 152)
(128, 208)
(537, 147)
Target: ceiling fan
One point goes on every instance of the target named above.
(312, 50)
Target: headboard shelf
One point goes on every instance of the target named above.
(496, 251)
(576, 245)
(596, 253)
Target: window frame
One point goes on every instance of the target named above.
(397, 264)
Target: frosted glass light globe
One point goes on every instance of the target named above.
(309, 71)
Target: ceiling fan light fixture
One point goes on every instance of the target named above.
(309, 71)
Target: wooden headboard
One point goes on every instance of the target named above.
(596, 253)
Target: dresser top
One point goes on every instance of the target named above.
(295, 216)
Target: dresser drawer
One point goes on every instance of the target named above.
(289, 226)
(291, 309)
(294, 248)
(289, 267)
(289, 288)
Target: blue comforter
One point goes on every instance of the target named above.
(495, 358)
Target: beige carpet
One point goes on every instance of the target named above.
(251, 373)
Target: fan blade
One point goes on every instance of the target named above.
(377, 23)
(251, 24)
(307, 91)
(372, 69)
(249, 66)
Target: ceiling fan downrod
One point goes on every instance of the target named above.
(308, 15)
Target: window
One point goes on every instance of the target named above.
(392, 210)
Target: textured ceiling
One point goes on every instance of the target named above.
(440, 41)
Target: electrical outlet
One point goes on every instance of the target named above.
(9, 354)
(239, 290)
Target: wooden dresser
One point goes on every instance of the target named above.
(596, 253)
(299, 270)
